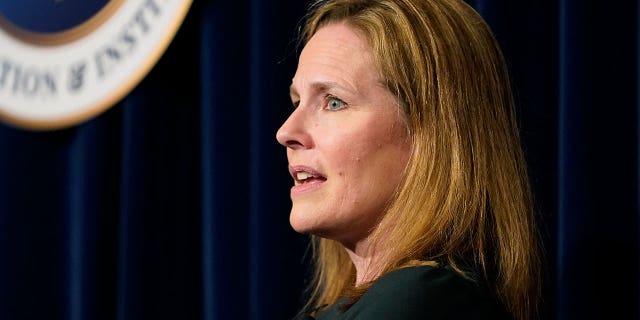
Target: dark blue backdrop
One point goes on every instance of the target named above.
(174, 203)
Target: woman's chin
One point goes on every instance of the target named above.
(300, 223)
(305, 224)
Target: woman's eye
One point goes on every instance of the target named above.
(334, 104)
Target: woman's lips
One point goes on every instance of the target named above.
(305, 178)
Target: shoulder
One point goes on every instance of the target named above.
(423, 292)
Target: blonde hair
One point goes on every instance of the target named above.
(465, 199)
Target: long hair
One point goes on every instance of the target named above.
(465, 199)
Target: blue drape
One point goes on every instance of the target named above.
(174, 203)
(598, 166)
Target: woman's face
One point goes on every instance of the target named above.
(347, 141)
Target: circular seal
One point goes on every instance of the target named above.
(65, 61)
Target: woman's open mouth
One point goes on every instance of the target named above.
(305, 179)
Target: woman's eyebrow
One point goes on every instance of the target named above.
(322, 86)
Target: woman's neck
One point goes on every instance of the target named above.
(366, 261)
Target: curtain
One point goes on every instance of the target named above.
(173, 204)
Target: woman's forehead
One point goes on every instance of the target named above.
(336, 55)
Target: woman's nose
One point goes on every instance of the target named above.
(293, 134)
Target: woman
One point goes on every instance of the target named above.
(407, 166)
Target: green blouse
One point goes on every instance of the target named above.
(422, 292)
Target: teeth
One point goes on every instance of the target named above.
(303, 176)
